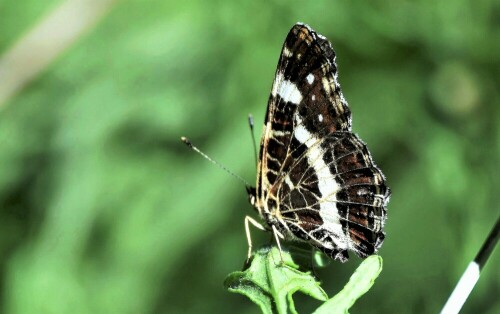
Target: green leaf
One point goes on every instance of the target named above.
(359, 283)
(270, 284)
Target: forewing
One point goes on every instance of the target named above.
(305, 85)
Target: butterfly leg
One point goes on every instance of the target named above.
(254, 222)
(277, 236)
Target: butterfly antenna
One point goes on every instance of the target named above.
(190, 145)
(252, 131)
(471, 275)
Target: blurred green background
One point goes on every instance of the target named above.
(103, 209)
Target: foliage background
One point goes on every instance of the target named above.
(103, 210)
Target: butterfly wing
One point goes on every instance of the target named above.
(316, 180)
(334, 196)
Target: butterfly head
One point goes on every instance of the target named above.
(252, 195)
(252, 198)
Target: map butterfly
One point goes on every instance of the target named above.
(316, 179)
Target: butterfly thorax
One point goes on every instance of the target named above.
(269, 212)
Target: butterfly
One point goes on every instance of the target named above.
(316, 179)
